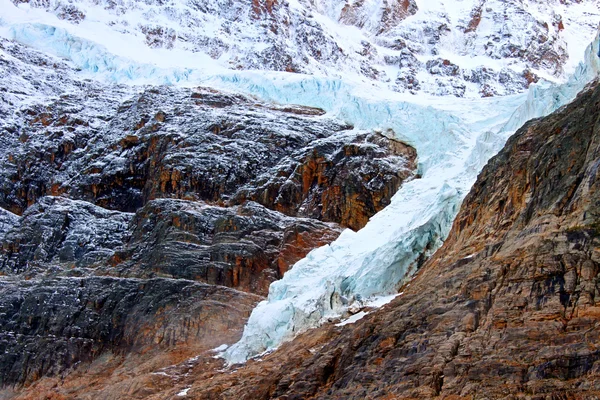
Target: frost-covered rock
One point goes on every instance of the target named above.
(246, 247)
(60, 231)
(388, 42)
(120, 147)
(52, 325)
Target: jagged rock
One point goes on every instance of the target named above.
(308, 36)
(334, 180)
(52, 325)
(388, 16)
(196, 144)
(7, 221)
(245, 247)
(58, 231)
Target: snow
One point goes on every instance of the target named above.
(352, 319)
(208, 37)
(184, 392)
(221, 348)
(374, 302)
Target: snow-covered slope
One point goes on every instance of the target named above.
(352, 59)
(466, 48)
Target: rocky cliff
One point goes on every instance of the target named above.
(506, 308)
(126, 210)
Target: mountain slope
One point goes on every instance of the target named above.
(151, 151)
(470, 48)
(507, 307)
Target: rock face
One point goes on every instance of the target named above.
(195, 145)
(124, 149)
(51, 325)
(246, 247)
(507, 307)
(58, 231)
(126, 210)
(336, 180)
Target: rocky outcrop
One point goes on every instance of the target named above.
(51, 325)
(245, 247)
(199, 144)
(507, 307)
(390, 14)
(57, 231)
(125, 149)
(333, 180)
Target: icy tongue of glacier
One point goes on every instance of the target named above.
(374, 260)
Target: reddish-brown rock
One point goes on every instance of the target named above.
(246, 247)
(336, 181)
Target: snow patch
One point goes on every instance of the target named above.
(352, 319)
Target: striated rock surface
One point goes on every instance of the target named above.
(126, 210)
(58, 231)
(337, 179)
(246, 247)
(51, 325)
(506, 308)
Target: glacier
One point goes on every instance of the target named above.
(375, 260)
(454, 138)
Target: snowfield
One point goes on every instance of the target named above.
(454, 136)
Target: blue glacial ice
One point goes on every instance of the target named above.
(376, 259)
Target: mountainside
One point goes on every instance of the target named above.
(215, 199)
(161, 188)
(470, 48)
(507, 307)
